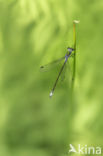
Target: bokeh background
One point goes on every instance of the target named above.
(35, 32)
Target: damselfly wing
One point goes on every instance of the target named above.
(49, 65)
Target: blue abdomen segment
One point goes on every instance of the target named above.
(66, 57)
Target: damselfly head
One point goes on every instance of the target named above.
(70, 49)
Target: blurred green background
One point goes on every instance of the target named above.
(35, 32)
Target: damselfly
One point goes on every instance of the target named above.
(68, 54)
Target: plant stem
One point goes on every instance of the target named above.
(74, 59)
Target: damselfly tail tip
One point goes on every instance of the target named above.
(51, 94)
